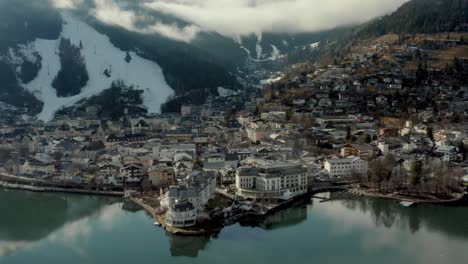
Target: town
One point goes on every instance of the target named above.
(388, 119)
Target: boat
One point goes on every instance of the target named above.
(156, 223)
(407, 203)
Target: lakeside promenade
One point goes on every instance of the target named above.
(9, 181)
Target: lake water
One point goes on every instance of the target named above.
(58, 228)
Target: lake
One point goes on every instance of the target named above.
(60, 228)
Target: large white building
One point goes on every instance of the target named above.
(183, 202)
(271, 181)
(340, 167)
(181, 214)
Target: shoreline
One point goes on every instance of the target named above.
(217, 226)
(403, 198)
(31, 188)
(296, 200)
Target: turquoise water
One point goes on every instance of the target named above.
(55, 228)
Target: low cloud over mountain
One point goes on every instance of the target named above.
(244, 17)
(235, 18)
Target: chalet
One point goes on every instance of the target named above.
(132, 173)
(356, 150)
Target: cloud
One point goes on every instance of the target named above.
(113, 13)
(236, 18)
(245, 17)
(109, 12)
(66, 4)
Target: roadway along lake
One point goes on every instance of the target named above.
(58, 228)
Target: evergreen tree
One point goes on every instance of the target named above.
(128, 58)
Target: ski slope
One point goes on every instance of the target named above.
(99, 55)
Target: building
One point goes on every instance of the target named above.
(388, 132)
(91, 150)
(184, 201)
(198, 189)
(185, 110)
(109, 173)
(271, 181)
(390, 147)
(145, 161)
(260, 130)
(37, 167)
(161, 175)
(126, 138)
(448, 153)
(183, 165)
(214, 162)
(342, 167)
(132, 173)
(227, 175)
(355, 150)
(178, 135)
(181, 214)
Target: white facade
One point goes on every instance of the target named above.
(37, 168)
(279, 181)
(409, 147)
(183, 202)
(181, 214)
(385, 148)
(338, 167)
(257, 131)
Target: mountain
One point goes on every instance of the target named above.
(52, 59)
(423, 41)
(413, 17)
(422, 16)
(25, 21)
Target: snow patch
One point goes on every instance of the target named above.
(258, 47)
(271, 80)
(275, 54)
(28, 53)
(99, 55)
(20, 54)
(223, 92)
(315, 45)
(246, 50)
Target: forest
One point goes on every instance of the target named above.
(73, 74)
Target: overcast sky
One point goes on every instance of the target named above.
(236, 18)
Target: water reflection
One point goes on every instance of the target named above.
(187, 246)
(422, 234)
(378, 219)
(387, 213)
(281, 219)
(28, 218)
(101, 230)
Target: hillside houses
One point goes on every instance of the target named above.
(333, 121)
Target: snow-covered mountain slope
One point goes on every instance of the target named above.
(100, 55)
